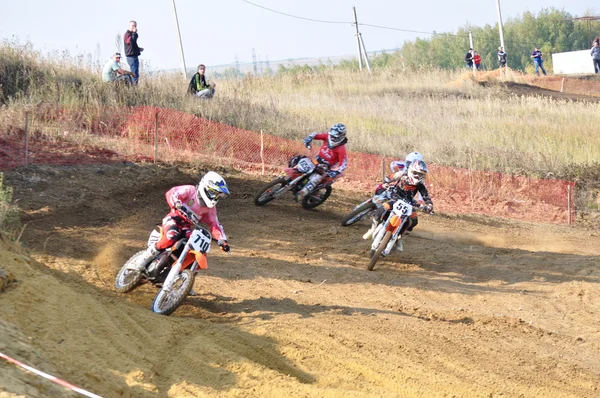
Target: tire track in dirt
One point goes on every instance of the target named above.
(468, 309)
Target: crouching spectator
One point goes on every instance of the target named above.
(112, 71)
(198, 85)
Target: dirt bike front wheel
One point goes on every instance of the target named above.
(269, 191)
(167, 301)
(359, 213)
(382, 245)
(127, 279)
(316, 197)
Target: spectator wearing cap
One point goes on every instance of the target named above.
(198, 85)
(132, 50)
(112, 71)
(536, 55)
(501, 57)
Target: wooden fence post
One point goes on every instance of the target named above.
(26, 138)
(262, 152)
(156, 136)
(569, 204)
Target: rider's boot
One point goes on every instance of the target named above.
(142, 261)
(369, 233)
(399, 245)
(315, 179)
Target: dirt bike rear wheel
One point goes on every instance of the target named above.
(266, 193)
(316, 198)
(166, 303)
(127, 279)
(382, 245)
(358, 214)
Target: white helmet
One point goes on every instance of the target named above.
(211, 188)
(413, 157)
(417, 171)
(337, 135)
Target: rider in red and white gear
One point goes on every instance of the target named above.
(190, 204)
(331, 158)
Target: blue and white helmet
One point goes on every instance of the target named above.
(413, 157)
(211, 188)
(337, 135)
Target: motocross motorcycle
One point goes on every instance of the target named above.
(294, 178)
(368, 208)
(387, 233)
(173, 269)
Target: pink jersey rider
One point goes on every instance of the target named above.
(189, 204)
(178, 219)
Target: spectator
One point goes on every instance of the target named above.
(112, 71)
(536, 55)
(198, 85)
(501, 57)
(477, 59)
(469, 59)
(596, 56)
(132, 50)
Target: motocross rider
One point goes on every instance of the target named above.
(189, 204)
(408, 185)
(399, 166)
(331, 158)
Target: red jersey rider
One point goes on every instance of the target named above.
(331, 157)
(408, 185)
(190, 204)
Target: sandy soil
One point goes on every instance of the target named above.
(474, 306)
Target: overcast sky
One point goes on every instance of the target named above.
(214, 32)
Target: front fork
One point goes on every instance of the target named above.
(380, 233)
(175, 269)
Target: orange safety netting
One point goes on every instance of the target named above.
(142, 132)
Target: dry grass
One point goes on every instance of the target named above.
(442, 114)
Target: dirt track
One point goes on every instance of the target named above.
(473, 307)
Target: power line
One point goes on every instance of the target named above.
(343, 22)
(449, 35)
(296, 16)
(408, 30)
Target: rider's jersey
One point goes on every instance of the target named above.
(186, 194)
(335, 158)
(408, 191)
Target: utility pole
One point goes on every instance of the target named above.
(365, 53)
(180, 43)
(471, 44)
(360, 65)
(254, 62)
(500, 25)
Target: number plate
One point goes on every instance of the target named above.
(305, 165)
(200, 240)
(402, 208)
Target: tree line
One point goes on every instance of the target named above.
(551, 30)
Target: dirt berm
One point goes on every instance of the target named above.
(474, 307)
